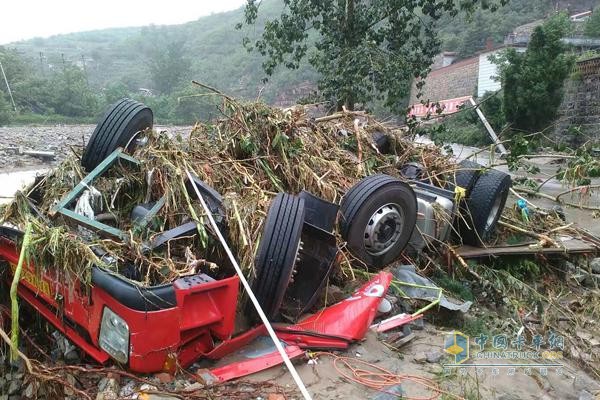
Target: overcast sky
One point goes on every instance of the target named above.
(25, 19)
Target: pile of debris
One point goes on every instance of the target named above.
(125, 239)
(247, 157)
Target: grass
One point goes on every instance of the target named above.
(454, 286)
(39, 119)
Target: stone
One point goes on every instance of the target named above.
(420, 358)
(29, 391)
(507, 396)
(194, 386)
(434, 357)
(595, 265)
(164, 377)
(570, 267)
(585, 395)
(390, 393)
(127, 390)
(14, 386)
(108, 389)
(275, 396)
(591, 281)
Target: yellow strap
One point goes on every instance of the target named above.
(459, 193)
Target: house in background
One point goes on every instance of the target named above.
(456, 82)
(451, 82)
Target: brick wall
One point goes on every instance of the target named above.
(456, 80)
(578, 119)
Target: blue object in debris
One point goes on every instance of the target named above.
(522, 205)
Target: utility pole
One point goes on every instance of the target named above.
(42, 63)
(85, 70)
(8, 87)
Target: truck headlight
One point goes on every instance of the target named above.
(114, 336)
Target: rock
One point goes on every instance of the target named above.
(591, 280)
(595, 265)
(29, 391)
(420, 358)
(128, 390)
(164, 377)
(507, 396)
(194, 386)
(579, 275)
(14, 386)
(434, 356)
(570, 267)
(108, 389)
(584, 394)
(275, 396)
(390, 393)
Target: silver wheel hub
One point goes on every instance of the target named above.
(383, 229)
(493, 213)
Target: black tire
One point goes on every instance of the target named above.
(277, 252)
(120, 123)
(466, 176)
(373, 195)
(484, 207)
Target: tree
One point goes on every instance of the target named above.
(364, 50)
(533, 81)
(69, 94)
(5, 110)
(592, 26)
(166, 59)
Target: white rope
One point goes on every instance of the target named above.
(255, 302)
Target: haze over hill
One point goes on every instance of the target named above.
(120, 61)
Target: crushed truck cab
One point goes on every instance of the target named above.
(145, 329)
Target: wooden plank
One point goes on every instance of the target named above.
(569, 247)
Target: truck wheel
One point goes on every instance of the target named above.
(378, 216)
(484, 207)
(121, 122)
(277, 252)
(466, 175)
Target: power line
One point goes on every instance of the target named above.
(8, 87)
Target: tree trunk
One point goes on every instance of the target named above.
(349, 39)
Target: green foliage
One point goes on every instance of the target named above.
(465, 127)
(5, 111)
(63, 90)
(166, 58)
(533, 81)
(519, 267)
(363, 51)
(592, 26)
(454, 286)
(68, 93)
(467, 34)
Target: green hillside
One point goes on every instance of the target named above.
(95, 68)
(211, 44)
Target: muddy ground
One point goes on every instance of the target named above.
(423, 356)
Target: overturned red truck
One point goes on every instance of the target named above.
(149, 329)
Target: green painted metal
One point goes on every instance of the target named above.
(69, 198)
(102, 229)
(85, 182)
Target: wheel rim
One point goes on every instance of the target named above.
(383, 229)
(493, 213)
